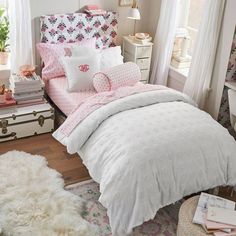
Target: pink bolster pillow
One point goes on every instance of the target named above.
(127, 74)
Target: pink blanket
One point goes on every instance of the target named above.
(93, 103)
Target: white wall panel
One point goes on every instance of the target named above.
(149, 14)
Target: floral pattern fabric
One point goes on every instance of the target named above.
(231, 72)
(224, 113)
(67, 28)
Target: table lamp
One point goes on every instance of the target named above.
(134, 13)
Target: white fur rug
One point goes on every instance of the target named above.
(33, 200)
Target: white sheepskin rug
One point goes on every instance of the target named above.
(33, 200)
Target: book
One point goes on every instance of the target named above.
(207, 200)
(182, 59)
(210, 231)
(28, 96)
(28, 99)
(23, 80)
(95, 12)
(220, 233)
(91, 7)
(219, 215)
(31, 101)
(180, 65)
(214, 225)
(8, 103)
(24, 89)
(39, 91)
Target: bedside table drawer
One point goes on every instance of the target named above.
(145, 75)
(143, 52)
(143, 64)
(128, 57)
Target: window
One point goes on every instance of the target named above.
(3, 3)
(4, 66)
(194, 20)
(189, 18)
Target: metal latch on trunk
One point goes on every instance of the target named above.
(41, 120)
(3, 126)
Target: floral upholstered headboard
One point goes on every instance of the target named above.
(64, 28)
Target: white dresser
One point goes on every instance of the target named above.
(140, 54)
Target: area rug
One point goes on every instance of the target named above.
(164, 224)
(33, 200)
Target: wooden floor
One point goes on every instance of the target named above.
(70, 166)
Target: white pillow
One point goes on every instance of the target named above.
(80, 70)
(78, 51)
(111, 57)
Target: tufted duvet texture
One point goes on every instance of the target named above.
(151, 154)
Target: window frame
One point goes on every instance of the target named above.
(183, 18)
(5, 69)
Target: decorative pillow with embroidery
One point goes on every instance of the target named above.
(127, 74)
(80, 70)
(51, 54)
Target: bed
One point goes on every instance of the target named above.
(64, 100)
(54, 29)
(148, 148)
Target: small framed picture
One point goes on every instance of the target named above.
(125, 3)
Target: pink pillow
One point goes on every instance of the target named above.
(51, 54)
(127, 74)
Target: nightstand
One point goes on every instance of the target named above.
(140, 54)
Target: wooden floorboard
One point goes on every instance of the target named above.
(70, 166)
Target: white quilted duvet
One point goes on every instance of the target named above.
(149, 150)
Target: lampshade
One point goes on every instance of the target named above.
(134, 14)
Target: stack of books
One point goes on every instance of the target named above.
(94, 10)
(216, 215)
(181, 62)
(27, 91)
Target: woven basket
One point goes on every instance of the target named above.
(186, 213)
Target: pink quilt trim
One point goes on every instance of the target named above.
(98, 100)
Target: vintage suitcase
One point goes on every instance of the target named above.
(19, 122)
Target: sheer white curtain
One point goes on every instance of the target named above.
(20, 34)
(164, 41)
(198, 82)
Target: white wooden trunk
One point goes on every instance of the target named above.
(19, 122)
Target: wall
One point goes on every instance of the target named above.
(149, 12)
(149, 9)
(153, 15)
(222, 58)
(231, 71)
